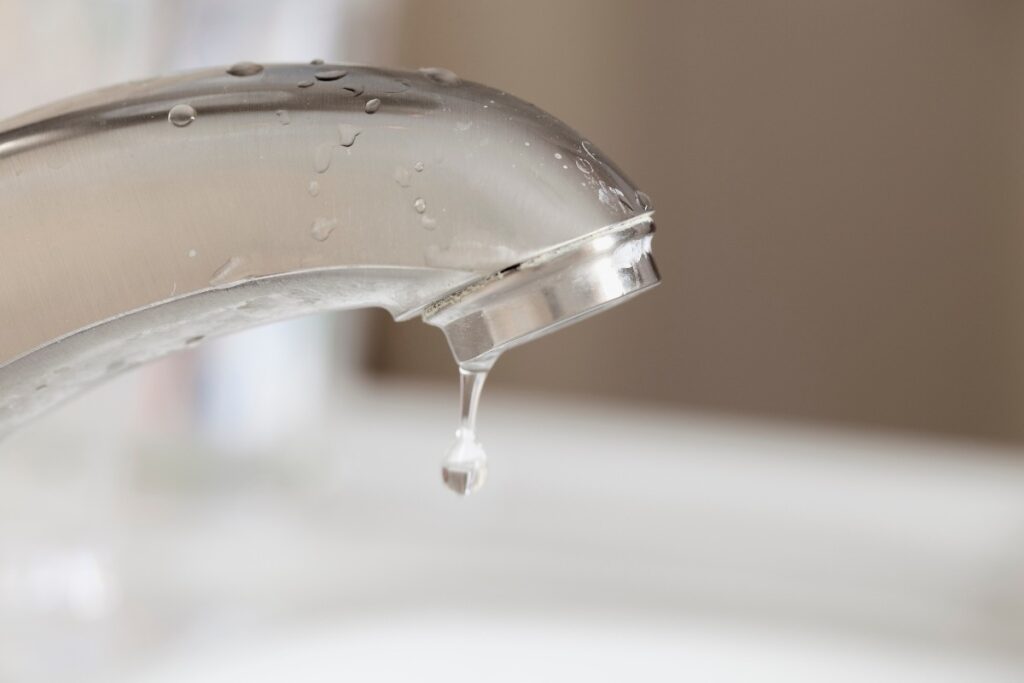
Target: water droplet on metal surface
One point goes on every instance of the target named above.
(402, 176)
(463, 125)
(439, 75)
(372, 106)
(322, 228)
(329, 74)
(282, 117)
(322, 157)
(314, 188)
(397, 87)
(245, 69)
(192, 253)
(316, 62)
(228, 271)
(305, 84)
(420, 205)
(419, 166)
(623, 202)
(428, 222)
(347, 134)
(355, 89)
(558, 155)
(181, 115)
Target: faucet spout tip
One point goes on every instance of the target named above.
(556, 288)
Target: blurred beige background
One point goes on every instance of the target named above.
(838, 195)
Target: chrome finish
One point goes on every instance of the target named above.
(559, 287)
(125, 235)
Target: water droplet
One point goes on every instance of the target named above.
(419, 167)
(428, 222)
(228, 271)
(305, 84)
(643, 200)
(322, 228)
(282, 117)
(397, 87)
(245, 69)
(439, 75)
(584, 166)
(329, 74)
(623, 202)
(465, 467)
(181, 115)
(192, 253)
(420, 205)
(463, 126)
(372, 105)
(565, 165)
(402, 176)
(605, 195)
(588, 147)
(192, 341)
(314, 188)
(347, 134)
(316, 62)
(355, 90)
(527, 143)
(558, 155)
(322, 157)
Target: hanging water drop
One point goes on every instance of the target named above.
(329, 74)
(245, 69)
(465, 467)
(439, 75)
(372, 106)
(181, 115)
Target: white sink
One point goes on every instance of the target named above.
(611, 543)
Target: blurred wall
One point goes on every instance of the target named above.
(837, 187)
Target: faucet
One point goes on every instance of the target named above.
(140, 219)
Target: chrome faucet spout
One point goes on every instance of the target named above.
(140, 219)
